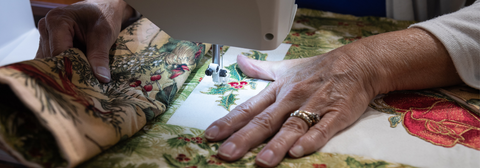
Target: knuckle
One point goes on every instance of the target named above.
(241, 136)
(225, 121)
(41, 23)
(295, 126)
(264, 121)
(244, 109)
(279, 142)
(99, 56)
(52, 15)
(321, 132)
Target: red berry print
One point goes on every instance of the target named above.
(319, 165)
(148, 87)
(310, 33)
(155, 77)
(138, 82)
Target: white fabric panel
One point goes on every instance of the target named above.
(200, 110)
(371, 136)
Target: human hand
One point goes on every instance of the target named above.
(329, 85)
(338, 86)
(92, 25)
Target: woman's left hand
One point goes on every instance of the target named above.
(337, 86)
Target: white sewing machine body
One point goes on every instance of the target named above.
(253, 24)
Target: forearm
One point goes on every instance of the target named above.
(405, 60)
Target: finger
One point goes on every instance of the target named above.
(61, 34)
(267, 70)
(318, 135)
(336, 114)
(98, 45)
(257, 130)
(256, 69)
(43, 39)
(294, 127)
(241, 115)
(276, 148)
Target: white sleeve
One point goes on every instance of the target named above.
(460, 34)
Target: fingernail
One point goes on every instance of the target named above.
(297, 151)
(227, 150)
(266, 157)
(212, 132)
(103, 72)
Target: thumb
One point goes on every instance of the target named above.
(257, 69)
(267, 70)
(98, 46)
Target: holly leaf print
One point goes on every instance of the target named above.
(179, 141)
(227, 101)
(352, 162)
(235, 72)
(219, 90)
(253, 85)
(184, 161)
(256, 55)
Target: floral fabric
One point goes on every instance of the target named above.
(81, 116)
(441, 117)
(119, 124)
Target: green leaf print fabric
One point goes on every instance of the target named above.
(57, 114)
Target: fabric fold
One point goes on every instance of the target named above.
(84, 116)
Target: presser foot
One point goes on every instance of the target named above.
(219, 75)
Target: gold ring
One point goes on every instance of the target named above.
(308, 117)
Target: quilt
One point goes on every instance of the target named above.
(54, 113)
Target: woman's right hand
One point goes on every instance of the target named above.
(92, 25)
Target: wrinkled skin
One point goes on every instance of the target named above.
(91, 25)
(337, 85)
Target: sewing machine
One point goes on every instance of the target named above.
(253, 24)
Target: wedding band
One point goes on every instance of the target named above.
(308, 117)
